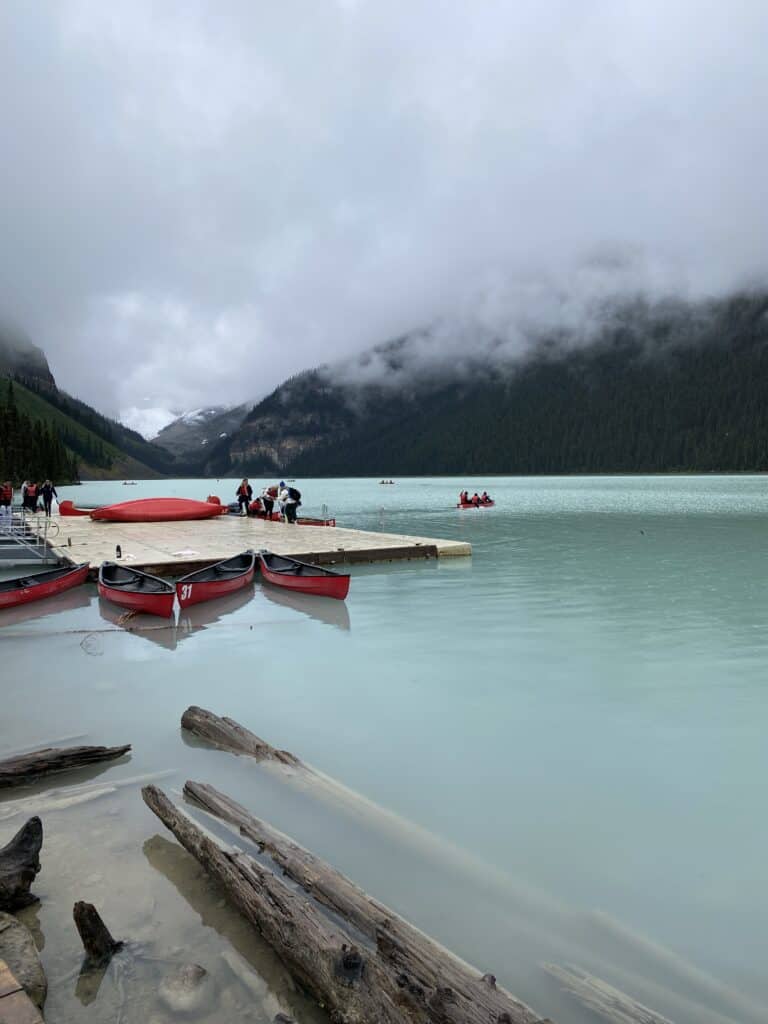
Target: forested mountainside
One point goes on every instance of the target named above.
(38, 422)
(672, 387)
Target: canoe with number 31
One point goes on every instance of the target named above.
(216, 580)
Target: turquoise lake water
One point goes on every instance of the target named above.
(576, 715)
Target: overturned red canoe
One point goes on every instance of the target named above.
(38, 585)
(68, 508)
(158, 510)
(303, 577)
(216, 580)
(131, 588)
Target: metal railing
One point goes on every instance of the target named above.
(24, 537)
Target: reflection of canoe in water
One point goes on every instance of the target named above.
(324, 609)
(216, 580)
(36, 586)
(70, 600)
(145, 626)
(201, 616)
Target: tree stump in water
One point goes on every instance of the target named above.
(94, 934)
(19, 863)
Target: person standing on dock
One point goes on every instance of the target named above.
(268, 500)
(48, 492)
(244, 495)
(29, 496)
(6, 496)
(290, 499)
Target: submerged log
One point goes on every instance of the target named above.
(94, 934)
(228, 734)
(26, 768)
(19, 863)
(602, 999)
(381, 969)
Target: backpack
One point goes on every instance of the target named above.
(294, 495)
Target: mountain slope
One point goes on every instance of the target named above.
(97, 446)
(656, 388)
(188, 435)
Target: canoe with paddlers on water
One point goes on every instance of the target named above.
(302, 576)
(136, 590)
(216, 580)
(483, 500)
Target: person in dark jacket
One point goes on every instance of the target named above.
(48, 493)
(244, 495)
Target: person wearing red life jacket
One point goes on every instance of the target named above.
(244, 495)
(30, 496)
(6, 494)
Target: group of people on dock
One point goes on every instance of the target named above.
(32, 495)
(286, 498)
(476, 499)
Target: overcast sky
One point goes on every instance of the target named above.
(200, 198)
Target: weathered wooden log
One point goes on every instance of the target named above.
(602, 999)
(19, 863)
(390, 973)
(26, 768)
(227, 734)
(96, 938)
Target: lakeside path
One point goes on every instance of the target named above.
(183, 546)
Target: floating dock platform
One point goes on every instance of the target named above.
(180, 547)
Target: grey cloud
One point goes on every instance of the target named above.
(199, 199)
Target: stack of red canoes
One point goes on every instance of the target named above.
(40, 585)
(158, 510)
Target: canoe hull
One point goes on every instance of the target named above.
(26, 595)
(486, 504)
(68, 508)
(190, 592)
(158, 510)
(150, 604)
(332, 585)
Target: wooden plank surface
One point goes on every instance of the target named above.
(15, 1005)
(176, 548)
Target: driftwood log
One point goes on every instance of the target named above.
(94, 934)
(602, 999)
(376, 968)
(19, 863)
(227, 734)
(26, 768)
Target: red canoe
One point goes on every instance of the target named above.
(68, 508)
(158, 510)
(136, 590)
(303, 577)
(483, 504)
(216, 580)
(41, 584)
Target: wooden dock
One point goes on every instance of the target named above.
(180, 547)
(15, 1005)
